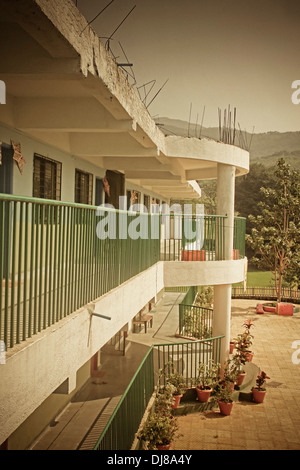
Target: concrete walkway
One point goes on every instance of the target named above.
(275, 424)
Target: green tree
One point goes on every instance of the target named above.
(247, 190)
(275, 232)
(248, 195)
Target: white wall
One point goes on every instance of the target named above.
(22, 184)
(203, 273)
(55, 355)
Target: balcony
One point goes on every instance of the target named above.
(199, 237)
(54, 260)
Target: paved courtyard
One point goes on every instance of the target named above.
(272, 425)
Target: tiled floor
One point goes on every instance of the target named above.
(272, 425)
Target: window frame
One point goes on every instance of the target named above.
(57, 182)
(90, 187)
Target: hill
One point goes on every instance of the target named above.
(265, 148)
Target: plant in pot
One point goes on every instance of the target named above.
(164, 400)
(237, 367)
(259, 391)
(159, 431)
(207, 378)
(230, 374)
(224, 397)
(243, 353)
(175, 379)
(247, 340)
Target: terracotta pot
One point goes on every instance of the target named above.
(225, 408)
(177, 399)
(203, 395)
(163, 447)
(258, 395)
(249, 356)
(231, 347)
(240, 379)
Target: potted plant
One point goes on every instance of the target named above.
(176, 380)
(259, 391)
(159, 431)
(230, 374)
(248, 340)
(224, 397)
(164, 400)
(207, 377)
(238, 367)
(243, 354)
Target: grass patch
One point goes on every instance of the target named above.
(260, 279)
(256, 278)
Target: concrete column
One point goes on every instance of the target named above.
(222, 317)
(225, 203)
(222, 293)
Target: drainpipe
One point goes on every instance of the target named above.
(222, 293)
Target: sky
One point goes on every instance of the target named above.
(201, 55)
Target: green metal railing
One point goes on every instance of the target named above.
(121, 429)
(192, 238)
(266, 293)
(194, 321)
(52, 261)
(239, 237)
(187, 356)
(199, 238)
(190, 296)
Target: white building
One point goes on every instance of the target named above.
(70, 125)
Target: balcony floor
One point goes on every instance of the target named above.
(275, 424)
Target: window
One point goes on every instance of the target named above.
(147, 202)
(83, 187)
(46, 178)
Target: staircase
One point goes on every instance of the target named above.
(90, 439)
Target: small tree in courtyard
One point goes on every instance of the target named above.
(275, 236)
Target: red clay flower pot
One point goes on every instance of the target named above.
(163, 447)
(249, 356)
(225, 408)
(231, 347)
(203, 395)
(258, 395)
(177, 399)
(240, 379)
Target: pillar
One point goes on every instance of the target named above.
(222, 293)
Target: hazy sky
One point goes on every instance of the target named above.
(213, 53)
